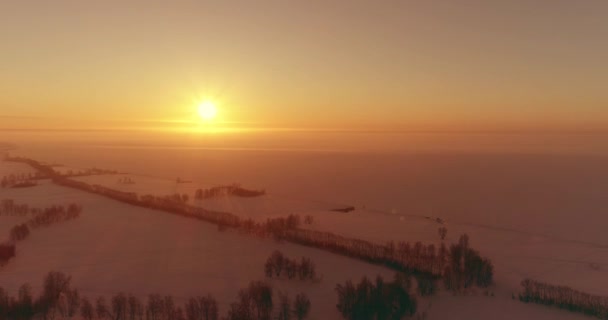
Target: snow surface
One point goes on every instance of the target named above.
(114, 247)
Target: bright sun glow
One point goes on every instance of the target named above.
(207, 110)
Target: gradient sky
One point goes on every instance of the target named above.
(397, 65)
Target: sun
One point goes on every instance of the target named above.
(207, 110)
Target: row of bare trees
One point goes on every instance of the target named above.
(228, 190)
(58, 299)
(41, 218)
(129, 307)
(54, 214)
(256, 303)
(564, 297)
(44, 218)
(278, 264)
(9, 207)
(86, 172)
(460, 265)
(19, 180)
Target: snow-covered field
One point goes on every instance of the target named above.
(516, 254)
(114, 247)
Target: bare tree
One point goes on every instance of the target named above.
(86, 309)
(284, 307)
(154, 307)
(101, 308)
(119, 306)
(73, 302)
(301, 306)
(136, 309)
(443, 232)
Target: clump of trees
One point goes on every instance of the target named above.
(278, 265)
(256, 303)
(426, 284)
(56, 299)
(7, 252)
(466, 267)
(227, 190)
(377, 300)
(564, 297)
(300, 308)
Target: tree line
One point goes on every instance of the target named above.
(20, 180)
(87, 172)
(44, 218)
(278, 265)
(234, 189)
(59, 299)
(256, 303)
(41, 218)
(12, 208)
(459, 264)
(564, 298)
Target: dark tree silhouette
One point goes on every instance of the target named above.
(119, 306)
(101, 308)
(564, 298)
(443, 232)
(277, 264)
(201, 308)
(55, 284)
(87, 312)
(379, 301)
(284, 307)
(301, 306)
(255, 303)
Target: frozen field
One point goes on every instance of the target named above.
(114, 247)
(563, 257)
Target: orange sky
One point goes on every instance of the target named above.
(385, 65)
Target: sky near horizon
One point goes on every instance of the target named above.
(386, 65)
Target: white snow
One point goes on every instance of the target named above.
(114, 247)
